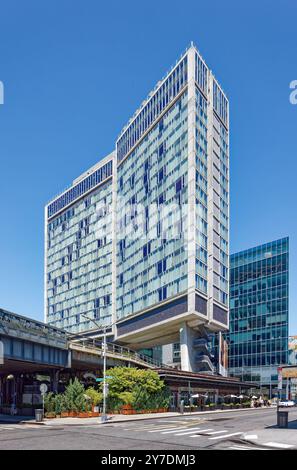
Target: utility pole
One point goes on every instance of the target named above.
(104, 417)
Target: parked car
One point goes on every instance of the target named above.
(286, 403)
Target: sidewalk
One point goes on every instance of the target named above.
(16, 419)
(274, 437)
(140, 417)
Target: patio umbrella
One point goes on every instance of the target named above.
(254, 397)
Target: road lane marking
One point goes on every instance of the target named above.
(174, 430)
(251, 436)
(277, 444)
(188, 432)
(202, 432)
(169, 429)
(216, 432)
(226, 435)
(239, 448)
(152, 426)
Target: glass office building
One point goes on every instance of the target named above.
(163, 276)
(78, 258)
(259, 285)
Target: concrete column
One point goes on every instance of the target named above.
(187, 352)
(55, 380)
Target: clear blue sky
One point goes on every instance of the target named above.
(75, 71)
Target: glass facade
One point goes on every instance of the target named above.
(259, 284)
(216, 193)
(154, 158)
(151, 267)
(156, 255)
(78, 259)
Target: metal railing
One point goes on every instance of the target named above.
(119, 351)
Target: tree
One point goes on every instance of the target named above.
(125, 379)
(95, 396)
(143, 389)
(75, 396)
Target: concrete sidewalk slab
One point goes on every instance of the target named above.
(274, 438)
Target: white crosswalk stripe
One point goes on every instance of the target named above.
(226, 435)
(174, 430)
(239, 448)
(202, 432)
(170, 429)
(216, 432)
(191, 431)
(278, 445)
(146, 428)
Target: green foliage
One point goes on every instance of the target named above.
(125, 379)
(127, 398)
(59, 404)
(95, 396)
(143, 389)
(49, 402)
(74, 396)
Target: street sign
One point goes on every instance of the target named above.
(279, 378)
(43, 389)
(105, 389)
(102, 380)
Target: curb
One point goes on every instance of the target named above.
(177, 415)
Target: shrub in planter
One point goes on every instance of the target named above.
(75, 396)
(83, 411)
(95, 396)
(49, 402)
(58, 404)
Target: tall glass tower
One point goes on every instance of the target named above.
(259, 285)
(169, 247)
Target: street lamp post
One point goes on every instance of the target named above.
(104, 349)
(104, 417)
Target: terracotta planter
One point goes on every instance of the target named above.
(50, 415)
(83, 414)
(72, 414)
(127, 407)
(65, 414)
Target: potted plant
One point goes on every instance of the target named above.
(58, 404)
(49, 405)
(95, 398)
(83, 413)
(74, 396)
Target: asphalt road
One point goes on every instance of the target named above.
(230, 430)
